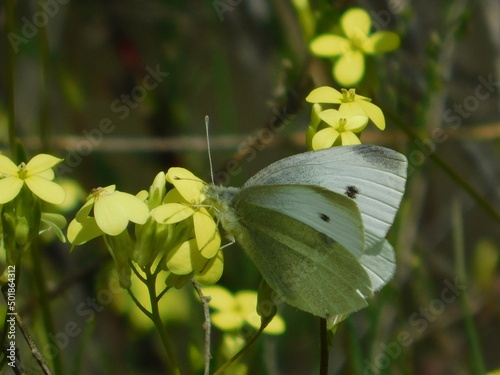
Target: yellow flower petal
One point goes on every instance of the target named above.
(7, 166)
(315, 119)
(81, 232)
(220, 298)
(177, 281)
(381, 41)
(349, 138)
(45, 189)
(329, 45)
(188, 185)
(227, 320)
(325, 138)
(84, 212)
(373, 112)
(136, 209)
(171, 213)
(349, 69)
(356, 123)
(180, 258)
(276, 327)
(173, 196)
(9, 188)
(324, 94)
(207, 235)
(247, 299)
(331, 117)
(356, 22)
(48, 174)
(113, 211)
(110, 216)
(211, 271)
(40, 163)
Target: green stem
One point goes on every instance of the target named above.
(249, 343)
(10, 65)
(44, 78)
(139, 304)
(40, 284)
(160, 326)
(355, 350)
(323, 334)
(470, 329)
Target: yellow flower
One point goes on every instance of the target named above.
(113, 210)
(37, 174)
(232, 312)
(340, 124)
(198, 245)
(351, 48)
(183, 202)
(353, 104)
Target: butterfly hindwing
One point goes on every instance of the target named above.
(305, 268)
(327, 212)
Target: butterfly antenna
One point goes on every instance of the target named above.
(207, 120)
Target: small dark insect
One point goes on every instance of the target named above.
(324, 217)
(351, 191)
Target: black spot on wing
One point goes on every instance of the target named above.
(351, 191)
(324, 217)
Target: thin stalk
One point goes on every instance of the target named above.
(323, 334)
(34, 349)
(247, 346)
(44, 78)
(478, 367)
(207, 325)
(48, 324)
(10, 65)
(160, 326)
(356, 352)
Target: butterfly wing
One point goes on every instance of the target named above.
(327, 212)
(379, 263)
(308, 267)
(305, 267)
(374, 177)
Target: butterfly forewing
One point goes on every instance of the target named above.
(373, 177)
(380, 263)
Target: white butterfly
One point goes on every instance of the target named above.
(315, 224)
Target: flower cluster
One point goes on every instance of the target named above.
(351, 47)
(329, 127)
(173, 233)
(196, 250)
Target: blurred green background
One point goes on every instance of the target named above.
(120, 90)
